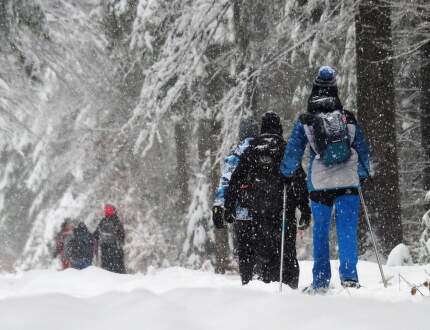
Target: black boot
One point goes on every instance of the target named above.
(351, 284)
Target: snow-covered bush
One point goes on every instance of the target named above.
(399, 256)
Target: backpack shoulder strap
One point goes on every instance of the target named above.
(306, 119)
(352, 124)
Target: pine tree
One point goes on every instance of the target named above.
(376, 111)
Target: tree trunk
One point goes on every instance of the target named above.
(182, 171)
(376, 111)
(4, 25)
(425, 106)
(215, 88)
(207, 146)
(221, 235)
(255, 22)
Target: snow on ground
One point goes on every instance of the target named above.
(178, 298)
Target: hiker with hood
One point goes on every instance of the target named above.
(339, 160)
(80, 249)
(109, 237)
(258, 186)
(244, 225)
(61, 239)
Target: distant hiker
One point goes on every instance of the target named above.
(258, 185)
(65, 234)
(80, 249)
(339, 159)
(109, 236)
(244, 225)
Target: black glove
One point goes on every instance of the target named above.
(218, 217)
(304, 221)
(228, 216)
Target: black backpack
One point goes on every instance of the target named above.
(332, 141)
(260, 187)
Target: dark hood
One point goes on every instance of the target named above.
(271, 124)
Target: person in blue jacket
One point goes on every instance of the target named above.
(339, 161)
(80, 248)
(244, 226)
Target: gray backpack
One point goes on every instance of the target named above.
(331, 137)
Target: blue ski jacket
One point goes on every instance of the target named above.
(230, 164)
(321, 177)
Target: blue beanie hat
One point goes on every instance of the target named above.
(326, 77)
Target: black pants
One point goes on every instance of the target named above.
(268, 248)
(112, 258)
(246, 242)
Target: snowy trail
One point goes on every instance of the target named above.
(178, 298)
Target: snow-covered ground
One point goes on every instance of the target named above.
(178, 298)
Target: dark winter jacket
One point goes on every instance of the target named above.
(110, 231)
(61, 240)
(261, 188)
(81, 246)
(110, 236)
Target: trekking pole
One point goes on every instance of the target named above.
(366, 214)
(283, 237)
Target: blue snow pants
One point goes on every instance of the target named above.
(347, 208)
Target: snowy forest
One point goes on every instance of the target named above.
(136, 103)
